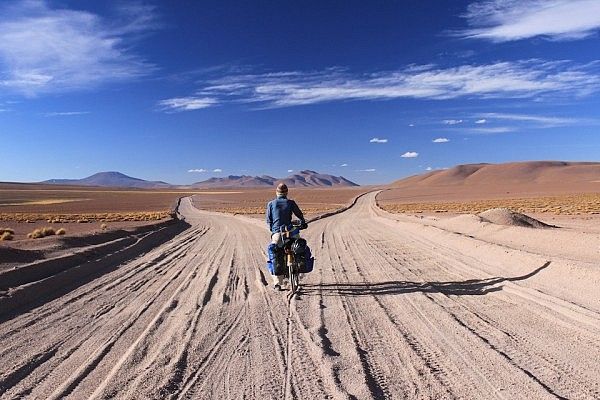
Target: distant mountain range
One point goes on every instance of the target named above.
(305, 178)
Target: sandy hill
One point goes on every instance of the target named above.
(110, 179)
(535, 172)
(498, 180)
(305, 178)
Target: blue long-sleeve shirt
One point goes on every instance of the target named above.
(279, 213)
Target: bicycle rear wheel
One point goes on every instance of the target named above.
(293, 275)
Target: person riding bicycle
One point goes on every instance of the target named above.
(279, 215)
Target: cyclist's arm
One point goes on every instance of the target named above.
(297, 212)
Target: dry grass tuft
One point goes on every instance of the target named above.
(42, 232)
(61, 231)
(6, 235)
(103, 227)
(4, 230)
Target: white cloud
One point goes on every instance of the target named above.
(410, 154)
(411, 125)
(377, 140)
(65, 113)
(367, 170)
(428, 169)
(510, 79)
(197, 170)
(217, 170)
(44, 49)
(344, 165)
(508, 20)
(290, 170)
(481, 121)
(186, 103)
(452, 121)
(441, 140)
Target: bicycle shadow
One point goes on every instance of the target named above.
(471, 287)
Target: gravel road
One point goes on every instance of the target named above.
(394, 309)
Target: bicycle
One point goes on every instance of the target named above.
(287, 235)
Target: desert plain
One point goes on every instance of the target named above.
(421, 289)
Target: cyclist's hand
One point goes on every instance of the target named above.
(304, 225)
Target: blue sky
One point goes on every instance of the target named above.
(373, 91)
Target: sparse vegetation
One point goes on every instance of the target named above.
(7, 230)
(61, 231)
(566, 205)
(85, 218)
(6, 235)
(103, 227)
(42, 232)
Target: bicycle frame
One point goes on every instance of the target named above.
(286, 236)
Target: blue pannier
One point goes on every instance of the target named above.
(276, 262)
(306, 262)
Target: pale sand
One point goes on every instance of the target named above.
(398, 307)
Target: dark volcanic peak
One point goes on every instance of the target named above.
(111, 179)
(306, 178)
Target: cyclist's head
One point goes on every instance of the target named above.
(282, 190)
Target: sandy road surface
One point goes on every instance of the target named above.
(394, 310)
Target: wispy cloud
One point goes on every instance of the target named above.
(344, 165)
(508, 20)
(428, 169)
(514, 79)
(366, 170)
(441, 140)
(538, 119)
(197, 170)
(65, 113)
(481, 121)
(47, 49)
(497, 129)
(410, 154)
(290, 170)
(377, 140)
(178, 104)
(217, 170)
(452, 121)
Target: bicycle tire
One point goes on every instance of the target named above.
(293, 277)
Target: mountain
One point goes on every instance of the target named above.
(308, 178)
(487, 181)
(110, 179)
(236, 181)
(531, 173)
(305, 178)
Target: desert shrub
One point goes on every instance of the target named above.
(6, 235)
(61, 231)
(41, 232)
(4, 230)
(103, 227)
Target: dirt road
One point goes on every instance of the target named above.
(394, 310)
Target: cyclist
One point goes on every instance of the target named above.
(279, 215)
